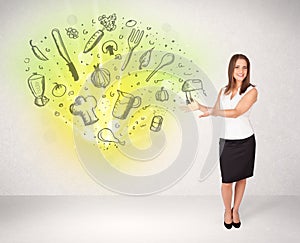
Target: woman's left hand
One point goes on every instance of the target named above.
(205, 114)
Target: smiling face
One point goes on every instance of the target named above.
(238, 73)
(240, 70)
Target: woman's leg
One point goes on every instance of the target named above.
(238, 196)
(226, 190)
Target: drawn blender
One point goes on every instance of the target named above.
(191, 85)
(36, 83)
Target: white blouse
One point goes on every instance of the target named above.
(235, 128)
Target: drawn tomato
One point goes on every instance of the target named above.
(59, 90)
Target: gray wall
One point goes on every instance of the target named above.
(32, 160)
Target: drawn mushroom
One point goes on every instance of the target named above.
(191, 85)
(109, 46)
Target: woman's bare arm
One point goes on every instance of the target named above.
(195, 105)
(243, 106)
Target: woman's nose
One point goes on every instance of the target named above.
(240, 70)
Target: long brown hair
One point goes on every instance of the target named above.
(231, 80)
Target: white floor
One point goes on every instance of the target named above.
(163, 219)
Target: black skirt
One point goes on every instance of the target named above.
(237, 158)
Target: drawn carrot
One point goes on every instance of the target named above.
(93, 41)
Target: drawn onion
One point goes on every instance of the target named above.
(100, 77)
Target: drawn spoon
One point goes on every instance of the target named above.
(167, 59)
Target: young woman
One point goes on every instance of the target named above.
(237, 143)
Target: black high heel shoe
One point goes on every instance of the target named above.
(228, 226)
(235, 225)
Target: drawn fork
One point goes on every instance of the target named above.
(134, 40)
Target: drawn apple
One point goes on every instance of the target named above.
(59, 90)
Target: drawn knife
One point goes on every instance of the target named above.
(63, 52)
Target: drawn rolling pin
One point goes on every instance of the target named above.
(63, 52)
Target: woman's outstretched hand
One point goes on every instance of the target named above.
(192, 106)
(205, 114)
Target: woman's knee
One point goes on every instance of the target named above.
(226, 185)
(243, 181)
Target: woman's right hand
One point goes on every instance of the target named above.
(193, 106)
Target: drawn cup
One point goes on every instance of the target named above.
(124, 103)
